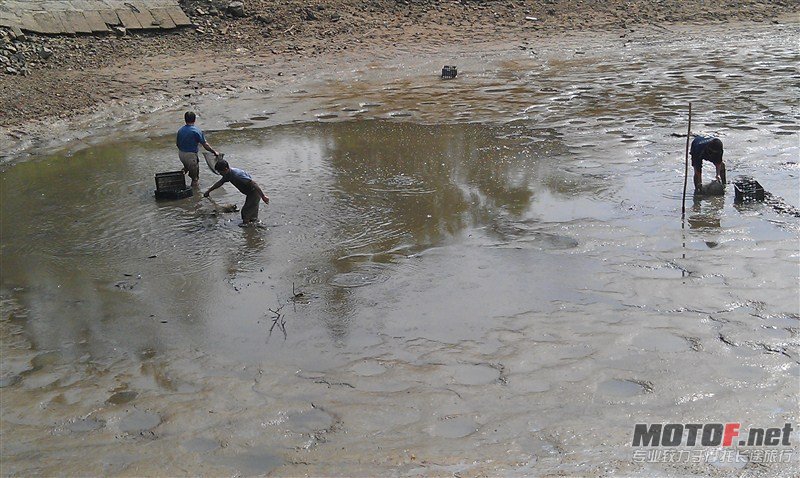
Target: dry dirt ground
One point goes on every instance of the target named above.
(66, 76)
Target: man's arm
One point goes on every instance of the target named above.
(698, 180)
(719, 167)
(215, 186)
(260, 192)
(209, 148)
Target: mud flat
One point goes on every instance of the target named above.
(483, 276)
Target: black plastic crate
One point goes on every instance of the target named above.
(172, 185)
(171, 181)
(747, 189)
(449, 72)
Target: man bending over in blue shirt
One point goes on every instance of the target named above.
(709, 149)
(245, 184)
(189, 136)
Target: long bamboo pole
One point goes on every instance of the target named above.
(686, 166)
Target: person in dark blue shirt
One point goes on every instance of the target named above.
(245, 184)
(187, 139)
(709, 149)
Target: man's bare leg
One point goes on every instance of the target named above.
(195, 175)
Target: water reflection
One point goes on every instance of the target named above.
(425, 184)
(707, 213)
(403, 188)
(351, 201)
(92, 257)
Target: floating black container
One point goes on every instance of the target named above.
(172, 185)
(747, 189)
(449, 72)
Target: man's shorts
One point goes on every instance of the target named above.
(250, 208)
(192, 164)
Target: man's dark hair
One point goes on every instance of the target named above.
(221, 165)
(714, 150)
(189, 116)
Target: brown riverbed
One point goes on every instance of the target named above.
(495, 278)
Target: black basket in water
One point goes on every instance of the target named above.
(449, 72)
(171, 185)
(747, 189)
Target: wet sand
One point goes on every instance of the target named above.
(495, 278)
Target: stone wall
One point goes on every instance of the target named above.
(90, 16)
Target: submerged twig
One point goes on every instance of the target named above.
(278, 317)
(279, 320)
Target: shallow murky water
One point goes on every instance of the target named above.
(484, 275)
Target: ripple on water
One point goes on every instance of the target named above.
(121, 397)
(253, 463)
(646, 271)
(139, 421)
(742, 127)
(467, 374)
(309, 421)
(82, 425)
(404, 184)
(368, 368)
(617, 388)
(45, 359)
(587, 164)
(240, 124)
(454, 427)
(382, 385)
(528, 384)
(788, 321)
(9, 380)
(41, 380)
(537, 240)
(661, 342)
(200, 445)
(363, 274)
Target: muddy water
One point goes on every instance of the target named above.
(480, 276)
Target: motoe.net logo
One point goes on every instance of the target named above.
(711, 442)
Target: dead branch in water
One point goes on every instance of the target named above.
(278, 317)
(279, 320)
